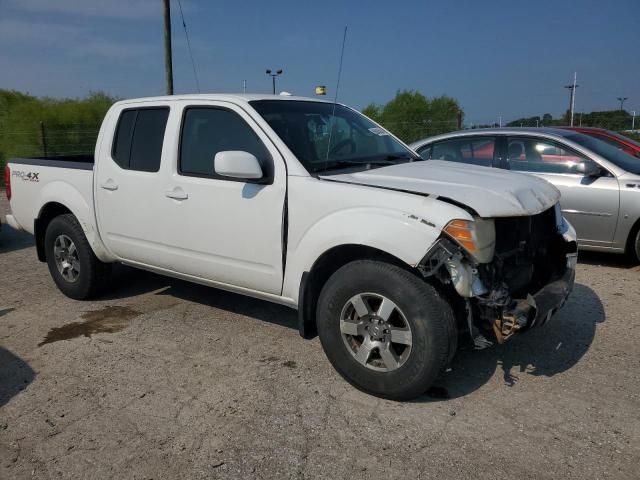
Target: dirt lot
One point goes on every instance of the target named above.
(164, 379)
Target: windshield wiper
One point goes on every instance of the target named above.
(350, 163)
(402, 156)
(391, 159)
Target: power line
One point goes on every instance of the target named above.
(186, 34)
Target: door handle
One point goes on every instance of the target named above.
(109, 185)
(177, 194)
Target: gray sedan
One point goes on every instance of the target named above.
(600, 184)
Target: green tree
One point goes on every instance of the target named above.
(610, 119)
(411, 116)
(372, 111)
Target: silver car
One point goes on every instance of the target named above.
(600, 184)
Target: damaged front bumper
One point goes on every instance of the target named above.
(537, 309)
(495, 309)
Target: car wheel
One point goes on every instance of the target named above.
(636, 249)
(386, 331)
(74, 267)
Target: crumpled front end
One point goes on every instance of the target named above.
(528, 278)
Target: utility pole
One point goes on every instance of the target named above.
(621, 100)
(633, 120)
(244, 86)
(500, 121)
(572, 97)
(168, 63)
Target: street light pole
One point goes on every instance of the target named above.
(621, 100)
(273, 78)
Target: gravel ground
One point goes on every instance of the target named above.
(164, 379)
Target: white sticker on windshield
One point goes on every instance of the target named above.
(379, 131)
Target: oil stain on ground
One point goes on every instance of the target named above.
(110, 319)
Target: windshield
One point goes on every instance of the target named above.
(326, 137)
(614, 155)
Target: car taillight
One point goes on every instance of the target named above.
(7, 181)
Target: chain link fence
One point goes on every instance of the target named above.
(44, 141)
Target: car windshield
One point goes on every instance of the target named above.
(328, 137)
(614, 155)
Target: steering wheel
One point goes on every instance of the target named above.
(341, 144)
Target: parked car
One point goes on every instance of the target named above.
(311, 205)
(600, 184)
(621, 142)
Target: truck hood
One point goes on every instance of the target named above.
(488, 191)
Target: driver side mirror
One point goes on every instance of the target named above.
(237, 164)
(589, 169)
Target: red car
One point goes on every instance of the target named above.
(612, 138)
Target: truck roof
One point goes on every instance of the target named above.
(229, 97)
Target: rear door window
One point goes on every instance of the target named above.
(471, 150)
(138, 140)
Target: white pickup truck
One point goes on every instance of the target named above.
(388, 258)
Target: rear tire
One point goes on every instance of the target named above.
(386, 331)
(73, 266)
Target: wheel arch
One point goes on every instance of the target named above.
(326, 265)
(629, 246)
(47, 213)
(58, 198)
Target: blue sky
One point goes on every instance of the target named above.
(508, 58)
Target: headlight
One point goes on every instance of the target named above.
(561, 223)
(478, 237)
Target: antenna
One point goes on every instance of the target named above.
(186, 34)
(335, 98)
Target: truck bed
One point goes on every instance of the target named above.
(82, 162)
(67, 180)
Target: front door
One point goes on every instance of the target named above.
(224, 229)
(591, 204)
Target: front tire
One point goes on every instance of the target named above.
(73, 266)
(635, 248)
(386, 331)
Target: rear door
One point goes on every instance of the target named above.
(129, 184)
(591, 204)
